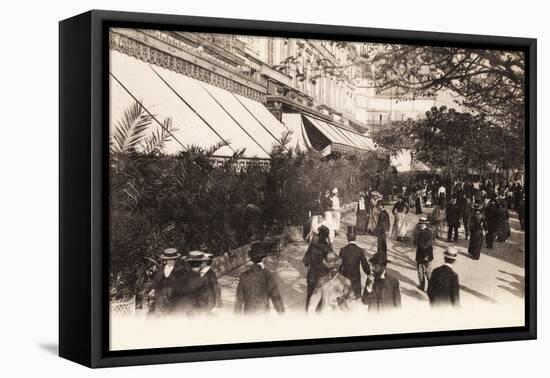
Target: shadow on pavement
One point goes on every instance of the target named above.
(477, 294)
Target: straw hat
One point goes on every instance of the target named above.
(196, 256)
(450, 253)
(170, 254)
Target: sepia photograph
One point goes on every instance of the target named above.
(266, 188)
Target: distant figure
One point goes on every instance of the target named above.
(333, 291)
(466, 214)
(382, 228)
(453, 220)
(491, 219)
(381, 289)
(399, 211)
(424, 253)
(503, 224)
(327, 213)
(361, 222)
(335, 210)
(418, 203)
(444, 287)
(313, 259)
(442, 196)
(477, 223)
(353, 258)
(257, 286)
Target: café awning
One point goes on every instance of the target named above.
(203, 114)
(326, 136)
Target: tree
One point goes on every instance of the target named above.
(456, 143)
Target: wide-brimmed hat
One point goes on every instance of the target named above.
(258, 249)
(170, 254)
(451, 253)
(423, 220)
(379, 258)
(332, 260)
(196, 256)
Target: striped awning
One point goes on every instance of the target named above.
(341, 138)
(203, 114)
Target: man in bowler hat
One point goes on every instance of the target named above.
(257, 286)
(381, 290)
(353, 258)
(444, 287)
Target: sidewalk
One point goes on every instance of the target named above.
(498, 277)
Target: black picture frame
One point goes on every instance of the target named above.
(83, 196)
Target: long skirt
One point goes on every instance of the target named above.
(503, 230)
(399, 226)
(336, 220)
(476, 243)
(329, 223)
(361, 222)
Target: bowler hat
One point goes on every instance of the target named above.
(332, 260)
(258, 249)
(379, 258)
(170, 254)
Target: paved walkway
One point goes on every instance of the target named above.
(498, 277)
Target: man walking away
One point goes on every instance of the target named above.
(424, 253)
(353, 258)
(453, 220)
(257, 286)
(381, 289)
(443, 289)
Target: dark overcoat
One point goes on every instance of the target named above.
(424, 246)
(353, 257)
(453, 214)
(313, 260)
(443, 287)
(384, 295)
(210, 296)
(257, 287)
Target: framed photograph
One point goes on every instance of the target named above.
(234, 188)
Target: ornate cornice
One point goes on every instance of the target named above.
(149, 54)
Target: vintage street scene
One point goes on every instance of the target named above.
(266, 188)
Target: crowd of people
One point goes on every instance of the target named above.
(188, 284)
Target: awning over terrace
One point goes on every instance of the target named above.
(313, 133)
(203, 114)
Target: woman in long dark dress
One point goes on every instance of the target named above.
(313, 260)
(477, 222)
(503, 224)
